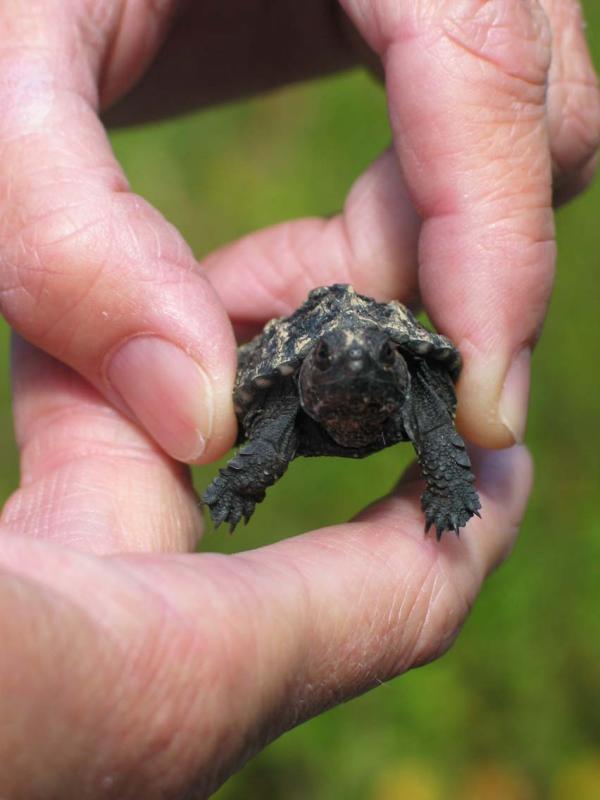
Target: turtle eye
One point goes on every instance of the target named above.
(387, 354)
(322, 356)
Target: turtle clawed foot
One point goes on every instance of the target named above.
(226, 504)
(448, 513)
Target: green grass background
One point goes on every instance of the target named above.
(513, 711)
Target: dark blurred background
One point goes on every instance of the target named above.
(513, 711)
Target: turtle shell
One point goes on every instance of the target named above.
(280, 349)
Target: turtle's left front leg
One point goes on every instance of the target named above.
(272, 443)
(450, 499)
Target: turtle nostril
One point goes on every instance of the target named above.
(356, 358)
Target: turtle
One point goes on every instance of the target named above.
(346, 375)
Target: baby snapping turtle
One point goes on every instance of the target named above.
(345, 375)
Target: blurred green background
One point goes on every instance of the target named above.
(513, 711)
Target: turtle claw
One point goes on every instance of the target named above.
(446, 513)
(227, 504)
(452, 527)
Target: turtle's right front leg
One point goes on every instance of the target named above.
(272, 443)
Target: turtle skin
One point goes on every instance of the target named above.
(345, 375)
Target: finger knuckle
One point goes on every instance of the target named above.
(51, 262)
(513, 36)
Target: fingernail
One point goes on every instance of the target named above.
(167, 391)
(514, 399)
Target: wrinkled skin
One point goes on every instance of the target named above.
(124, 669)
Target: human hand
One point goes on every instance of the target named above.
(142, 660)
(495, 112)
(97, 278)
(131, 668)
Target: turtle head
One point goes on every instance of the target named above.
(351, 382)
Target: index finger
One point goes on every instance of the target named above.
(90, 272)
(466, 83)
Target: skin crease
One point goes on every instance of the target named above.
(132, 668)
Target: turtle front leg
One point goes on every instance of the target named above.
(272, 444)
(450, 499)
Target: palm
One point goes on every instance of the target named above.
(172, 660)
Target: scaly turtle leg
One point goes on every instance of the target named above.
(272, 443)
